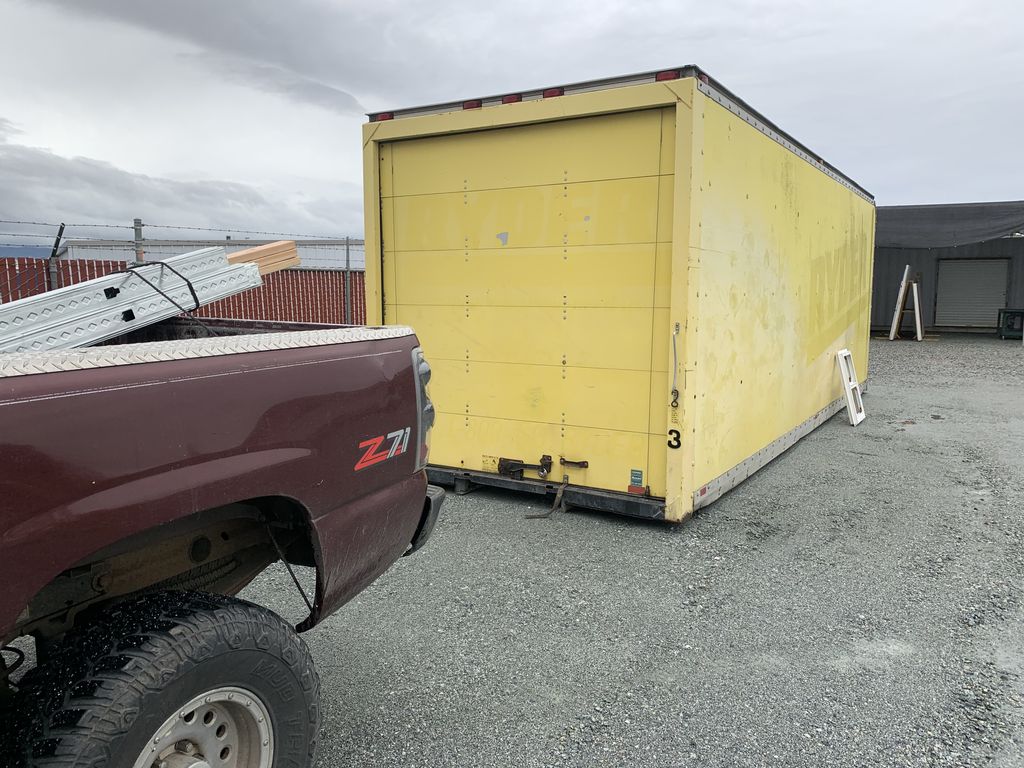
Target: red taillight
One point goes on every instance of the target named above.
(472, 104)
(549, 92)
(512, 98)
(382, 116)
(668, 74)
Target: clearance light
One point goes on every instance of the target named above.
(472, 104)
(512, 98)
(668, 74)
(549, 92)
(382, 116)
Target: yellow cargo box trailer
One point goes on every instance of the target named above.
(630, 290)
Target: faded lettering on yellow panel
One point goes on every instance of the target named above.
(782, 288)
(838, 297)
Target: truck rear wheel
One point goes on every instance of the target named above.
(174, 680)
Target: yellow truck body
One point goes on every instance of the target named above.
(641, 280)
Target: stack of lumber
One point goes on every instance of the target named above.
(271, 257)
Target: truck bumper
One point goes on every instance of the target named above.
(431, 509)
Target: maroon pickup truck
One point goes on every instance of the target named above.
(143, 485)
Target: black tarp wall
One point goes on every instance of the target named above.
(922, 235)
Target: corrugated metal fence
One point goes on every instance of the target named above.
(293, 295)
(20, 278)
(298, 296)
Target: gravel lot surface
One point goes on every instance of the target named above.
(856, 603)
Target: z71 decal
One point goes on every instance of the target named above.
(383, 447)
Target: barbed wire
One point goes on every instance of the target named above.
(57, 224)
(102, 226)
(32, 223)
(154, 247)
(179, 227)
(244, 231)
(46, 236)
(128, 245)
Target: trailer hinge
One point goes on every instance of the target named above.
(569, 463)
(514, 467)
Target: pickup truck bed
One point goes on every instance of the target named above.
(183, 465)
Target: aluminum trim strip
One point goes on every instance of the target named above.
(189, 264)
(706, 84)
(530, 94)
(83, 314)
(715, 489)
(768, 130)
(105, 320)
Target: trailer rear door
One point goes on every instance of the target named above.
(532, 261)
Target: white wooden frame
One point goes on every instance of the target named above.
(907, 286)
(851, 387)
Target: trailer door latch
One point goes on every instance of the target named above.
(514, 467)
(569, 463)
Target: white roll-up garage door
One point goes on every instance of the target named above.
(970, 292)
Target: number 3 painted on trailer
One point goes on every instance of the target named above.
(674, 438)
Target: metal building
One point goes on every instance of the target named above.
(968, 259)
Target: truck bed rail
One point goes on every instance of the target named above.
(27, 363)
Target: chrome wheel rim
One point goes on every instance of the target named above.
(223, 728)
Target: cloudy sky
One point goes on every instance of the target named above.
(247, 113)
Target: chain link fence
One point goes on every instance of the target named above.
(327, 288)
(334, 296)
(21, 277)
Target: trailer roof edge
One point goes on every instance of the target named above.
(705, 83)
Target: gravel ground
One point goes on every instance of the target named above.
(857, 603)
